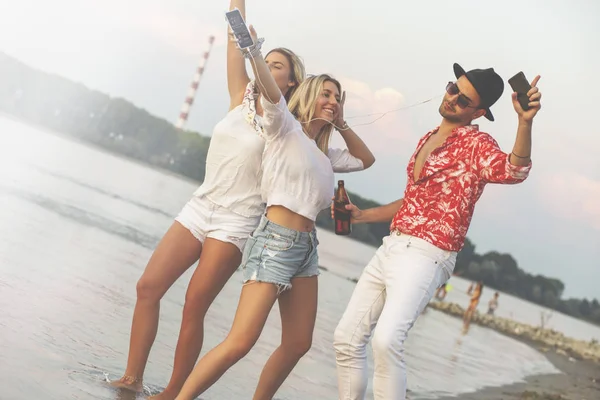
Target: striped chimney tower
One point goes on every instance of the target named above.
(189, 100)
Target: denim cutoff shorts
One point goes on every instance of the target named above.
(276, 254)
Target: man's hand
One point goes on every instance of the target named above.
(534, 102)
(355, 212)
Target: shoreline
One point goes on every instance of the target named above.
(578, 380)
(96, 146)
(578, 361)
(545, 338)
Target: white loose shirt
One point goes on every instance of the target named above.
(233, 163)
(296, 173)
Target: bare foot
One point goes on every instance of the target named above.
(130, 383)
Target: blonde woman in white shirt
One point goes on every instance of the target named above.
(213, 226)
(280, 261)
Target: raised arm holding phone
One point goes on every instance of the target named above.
(280, 260)
(213, 227)
(446, 176)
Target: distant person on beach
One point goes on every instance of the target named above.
(493, 304)
(280, 262)
(446, 176)
(214, 225)
(470, 288)
(473, 303)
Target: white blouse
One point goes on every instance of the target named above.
(233, 163)
(296, 173)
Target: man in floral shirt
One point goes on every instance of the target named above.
(446, 176)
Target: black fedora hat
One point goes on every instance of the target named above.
(488, 84)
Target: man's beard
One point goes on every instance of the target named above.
(448, 115)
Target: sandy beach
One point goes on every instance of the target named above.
(578, 362)
(580, 380)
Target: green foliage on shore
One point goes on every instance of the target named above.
(119, 126)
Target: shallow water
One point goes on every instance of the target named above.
(77, 227)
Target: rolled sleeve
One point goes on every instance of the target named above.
(343, 161)
(276, 118)
(495, 165)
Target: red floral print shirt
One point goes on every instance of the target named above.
(438, 207)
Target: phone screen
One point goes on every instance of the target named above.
(239, 28)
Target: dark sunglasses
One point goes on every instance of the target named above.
(462, 101)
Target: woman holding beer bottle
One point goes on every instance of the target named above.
(280, 261)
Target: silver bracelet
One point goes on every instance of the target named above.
(344, 127)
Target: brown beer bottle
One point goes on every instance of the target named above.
(341, 216)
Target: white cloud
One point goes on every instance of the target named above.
(374, 115)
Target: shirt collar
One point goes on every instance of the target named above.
(456, 132)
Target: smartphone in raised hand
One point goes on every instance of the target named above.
(239, 28)
(519, 84)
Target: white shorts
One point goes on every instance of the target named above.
(204, 219)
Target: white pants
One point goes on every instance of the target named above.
(391, 293)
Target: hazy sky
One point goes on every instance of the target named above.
(388, 54)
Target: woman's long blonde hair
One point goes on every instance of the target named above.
(302, 105)
(297, 71)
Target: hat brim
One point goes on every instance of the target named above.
(460, 71)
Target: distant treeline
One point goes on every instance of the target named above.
(501, 272)
(119, 126)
